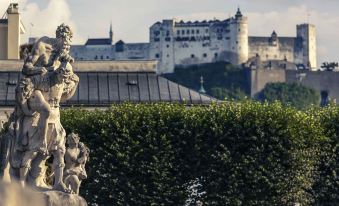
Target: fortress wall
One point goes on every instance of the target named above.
(79, 52)
(260, 77)
(318, 80)
(262, 47)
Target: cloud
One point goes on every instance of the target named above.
(43, 22)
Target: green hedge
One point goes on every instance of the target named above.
(243, 154)
(326, 187)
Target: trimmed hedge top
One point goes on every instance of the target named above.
(242, 154)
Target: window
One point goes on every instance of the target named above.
(215, 55)
(178, 32)
(167, 45)
(102, 57)
(236, 42)
(204, 55)
(192, 56)
(96, 57)
(188, 31)
(168, 55)
(183, 32)
(206, 31)
(157, 56)
(193, 31)
(168, 39)
(198, 31)
(167, 33)
(107, 57)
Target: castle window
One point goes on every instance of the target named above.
(236, 42)
(188, 31)
(102, 57)
(206, 31)
(204, 55)
(183, 32)
(192, 56)
(168, 39)
(107, 57)
(167, 33)
(238, 29)
(215, 55)
(228, 38)
(198, 31)
(157, 56)
(167, 45)
(168, 55)
(156, 39)
(193, 31)
(178, 32)
(96, 57)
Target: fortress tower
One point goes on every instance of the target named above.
(308, 34)
(239, 38)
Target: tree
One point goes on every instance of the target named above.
(230, 94)
(329, 66)
(294, 94)
(221, 79)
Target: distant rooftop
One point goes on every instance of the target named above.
(101, 89)
(103, 41)
(91, 66)
(3, 21)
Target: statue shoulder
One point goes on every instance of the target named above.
(44, 42)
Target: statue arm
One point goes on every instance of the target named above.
(72, 87)
(29, 69)
(83, 154)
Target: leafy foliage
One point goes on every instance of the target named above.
(246, 153)
(294, 94)
(326, 187)
(221, 80)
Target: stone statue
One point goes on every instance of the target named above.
(36, 133)
(76, 157)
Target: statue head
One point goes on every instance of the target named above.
(64, 34)
(73, 139)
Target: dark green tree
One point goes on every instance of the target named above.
(293, 94)
(221, 79)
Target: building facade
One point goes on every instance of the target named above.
(11, 28)
(181, 43)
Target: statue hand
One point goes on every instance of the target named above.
(75, 78)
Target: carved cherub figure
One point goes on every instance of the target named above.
(76, 156)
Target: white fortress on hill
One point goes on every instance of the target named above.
(177, 43)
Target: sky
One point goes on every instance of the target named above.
(131, 19)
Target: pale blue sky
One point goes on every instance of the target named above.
(131, 19)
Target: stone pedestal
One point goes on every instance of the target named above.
(12, 194)
(56, 198)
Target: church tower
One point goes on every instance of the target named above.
(111, 34)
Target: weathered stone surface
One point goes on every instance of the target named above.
(12, 194)
(56, 198)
